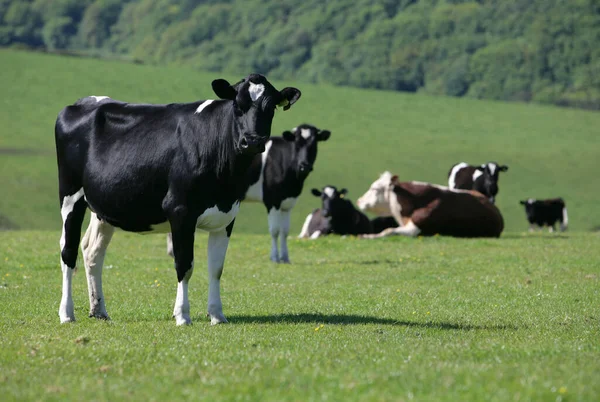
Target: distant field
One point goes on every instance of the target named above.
(550, 151)
(437, 319)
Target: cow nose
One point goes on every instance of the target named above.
(305, 167)
(251, 144)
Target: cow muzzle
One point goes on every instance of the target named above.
(251, 144)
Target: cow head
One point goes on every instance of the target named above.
(254, 102)
(489, 173)
(528, 206)
(377, 197)
(331, 199)
(305, 138)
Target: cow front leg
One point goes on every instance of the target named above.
(217, 248)
(183, 250)
(94, 245)
(409, 229)
(284, 229)
(274, 229)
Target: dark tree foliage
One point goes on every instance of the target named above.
(540, 50)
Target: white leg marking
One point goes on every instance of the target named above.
(284, 225)
(66, 311)
(93, 246)
(203, 106)
(217, 248)
(565, 221)
(304, 232)
(453, 172)
(170, 245)
(181, 311)
(315, 235)
(274, 220)
(409, 229)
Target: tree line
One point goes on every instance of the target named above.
(526, 50)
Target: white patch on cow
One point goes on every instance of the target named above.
(181, 311)
(329, 191)
(99, 98)
(93, 247)
(203, 106)
(305, 133)
(476, 174)
(217, 248)
(212, 219)
(531, 200)
(376, 198)
(255, 191)
(256, 91)
(304, 232)
(565, 220)
(67, 207)
(492, 167)
(454, 172)
(315, 235)
(410, 229)
(443, 188)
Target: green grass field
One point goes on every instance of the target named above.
(551, 151)
(509, 319)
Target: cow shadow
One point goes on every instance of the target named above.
(351, 319)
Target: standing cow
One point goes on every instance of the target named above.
(482, 178)
(145, 168)
(546, 213)
(427, 209)
(276, 178)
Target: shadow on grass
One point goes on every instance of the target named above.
(345, 319)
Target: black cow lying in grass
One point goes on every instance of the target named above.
(338, 215)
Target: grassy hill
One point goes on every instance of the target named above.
(550, 151)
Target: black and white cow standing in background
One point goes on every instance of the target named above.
(546, 213)
(482, 178)
(147, 168)
(276, 178)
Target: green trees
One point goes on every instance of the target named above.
(541, 50)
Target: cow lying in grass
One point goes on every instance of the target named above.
(427, 209)
(338, 215)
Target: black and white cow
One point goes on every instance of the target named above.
(338, 215)
(145, 168)
(276, 178)
(482, 178)
(546, 213)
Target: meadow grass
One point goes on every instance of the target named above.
(550, 151)
(400, 319)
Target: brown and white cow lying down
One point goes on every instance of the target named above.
(428, 209)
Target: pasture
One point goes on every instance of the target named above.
(550, 151)
(515, 318)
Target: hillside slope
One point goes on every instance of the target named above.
(550, 151)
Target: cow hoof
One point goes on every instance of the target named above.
(284, 261)
(100, 316)
(275, 259)
(183, 320)
(218, 319)
(65, 320)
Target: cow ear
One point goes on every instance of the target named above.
(223, 89)
(290, 96)
(288, 136)
(343, 192)
(522, 202)
(503, 168)
(316, 192)
(323, 135)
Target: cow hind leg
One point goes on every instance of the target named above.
(93, 246)
(183, 232)
(72, 210)
(274, 229)
(284, 224)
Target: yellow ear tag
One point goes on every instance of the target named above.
(283, 103)
(341, 195)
